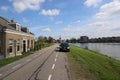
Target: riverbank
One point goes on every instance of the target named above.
(110, 49)
(90, 65)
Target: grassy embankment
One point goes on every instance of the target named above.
(90, 65)
(12, 59)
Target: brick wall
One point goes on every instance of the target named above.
(15, 38)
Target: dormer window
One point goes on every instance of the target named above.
(25, 29)
(16, 26)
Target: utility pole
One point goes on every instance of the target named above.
(60, 39)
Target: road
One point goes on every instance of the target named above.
(46, 64)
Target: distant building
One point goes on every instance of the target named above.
(84, 39)
(105, 39)
(14, 39)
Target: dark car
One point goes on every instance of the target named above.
(64, 47)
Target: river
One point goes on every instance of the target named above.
(110, 49)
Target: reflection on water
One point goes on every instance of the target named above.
(110, 49)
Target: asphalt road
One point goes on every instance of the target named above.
(46, 64)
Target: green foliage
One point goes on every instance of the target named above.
(12, 59)
(43, 42)
(102, 66)
(40, 45)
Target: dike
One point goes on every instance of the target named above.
(90, 65)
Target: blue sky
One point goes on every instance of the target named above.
(93, 18)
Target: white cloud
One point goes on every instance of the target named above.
(52, 12)
(4, 8)
(77, 21)
(109, 10)
(67, 29)
(99, 24)
(46, 30)
(102, 29)
(90, 3)
(22, 5)
(58, 22)
(94, 29)
(106, 24)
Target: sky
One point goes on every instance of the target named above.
(65, 18)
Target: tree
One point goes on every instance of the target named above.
(68, 40)
(73, 40)
(50, 39)
(40, 39)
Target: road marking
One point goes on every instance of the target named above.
(55, 59)
(0, 74)
(16, 66)
(49, 78)
(53, 66)
(56, 55)
(28, 60)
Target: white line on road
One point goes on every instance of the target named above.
(49, 78)
(53, 66)
(0, 74)
(55, 59)
(28, 60)
(56, 55)
(18, 65)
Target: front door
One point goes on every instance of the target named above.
(24, 46)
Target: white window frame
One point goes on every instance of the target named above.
(11, 43)
(24, 39)
(18, 44)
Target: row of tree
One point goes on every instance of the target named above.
(82, 39)
(44, 39)
(85, 39)
(72, 40)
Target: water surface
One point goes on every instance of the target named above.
(110, 49)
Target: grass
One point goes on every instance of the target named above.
(12, 59)
(92, 65)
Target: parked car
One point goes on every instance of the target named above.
(64, 47)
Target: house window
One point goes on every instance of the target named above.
(28, 43)
(17, 27)
(18, 45)
(32, 43)
(10, 45)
